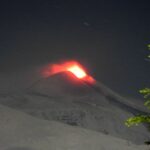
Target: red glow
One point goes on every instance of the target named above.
(77, 71)
(71, 66)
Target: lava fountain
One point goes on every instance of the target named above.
(70, 66)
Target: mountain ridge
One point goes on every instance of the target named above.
(64, 98)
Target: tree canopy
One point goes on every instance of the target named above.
(136, 120)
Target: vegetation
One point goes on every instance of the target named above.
(136, 120)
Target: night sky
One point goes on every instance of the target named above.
(108, 37)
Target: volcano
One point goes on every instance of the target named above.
(67, 99)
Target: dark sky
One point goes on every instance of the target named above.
(108, 37)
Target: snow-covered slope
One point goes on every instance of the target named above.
(65, 99)
(19, 131)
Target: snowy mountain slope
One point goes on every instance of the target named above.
(19, 131)
(125, 103)
(65, 99)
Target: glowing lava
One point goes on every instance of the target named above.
(77, 71)
(71, 66)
